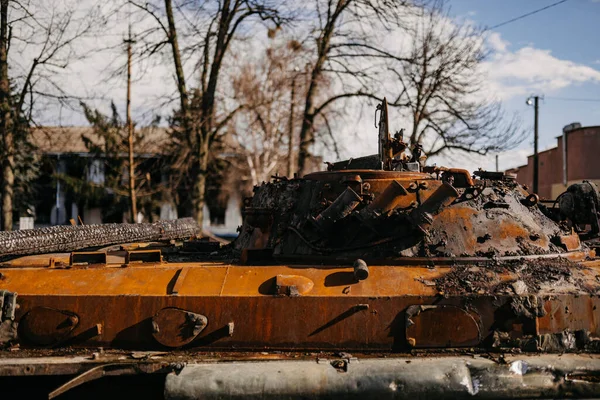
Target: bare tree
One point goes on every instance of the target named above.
(47, 34)
(210, 28)
(443, 89)
(262, 133)
(350, 50)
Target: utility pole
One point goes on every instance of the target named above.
(497, 169)
(132, 194)
(290, 169)
(536, 160)
(536, 164)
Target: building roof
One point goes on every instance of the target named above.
(69, 139)
(581, 128)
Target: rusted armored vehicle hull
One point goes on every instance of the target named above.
(337, 336)
(379, 278)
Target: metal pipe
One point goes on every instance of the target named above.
(384, 203)
(447, 377)
(422, 217)
(342, 206)
(361, 270)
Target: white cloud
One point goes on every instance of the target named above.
(513, 73)
(496, 43)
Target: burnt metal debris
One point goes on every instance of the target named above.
(382, 276)
(57, 239)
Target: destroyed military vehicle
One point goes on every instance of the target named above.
(381, 277)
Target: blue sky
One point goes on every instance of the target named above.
(570, 32)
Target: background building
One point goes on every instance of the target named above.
(575, 158)
(73, 180)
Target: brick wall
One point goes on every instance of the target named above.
(583, 162)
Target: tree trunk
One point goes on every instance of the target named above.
(199, 194)
(306, 133)
(207, 111)
(181, 88)
(290, 171)
(189, 198)
(132, 194)
(8, 176)
(308, 120)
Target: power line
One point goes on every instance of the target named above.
(527, 15)
(572, 99)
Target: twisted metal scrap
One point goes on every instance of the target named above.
(58, 239)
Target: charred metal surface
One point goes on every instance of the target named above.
(8, 325)
(526, 277)
(388, 214)
(580, 204)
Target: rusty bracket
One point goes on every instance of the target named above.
(143, 256)
(181, 274)
(87, 257)
(292, 285)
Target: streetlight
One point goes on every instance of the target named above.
(534, 100)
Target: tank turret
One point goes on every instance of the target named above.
(390, 206)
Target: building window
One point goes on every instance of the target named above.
(95, 173)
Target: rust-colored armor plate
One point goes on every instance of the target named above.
(45, 326)
(441, 326)
(174, 327)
